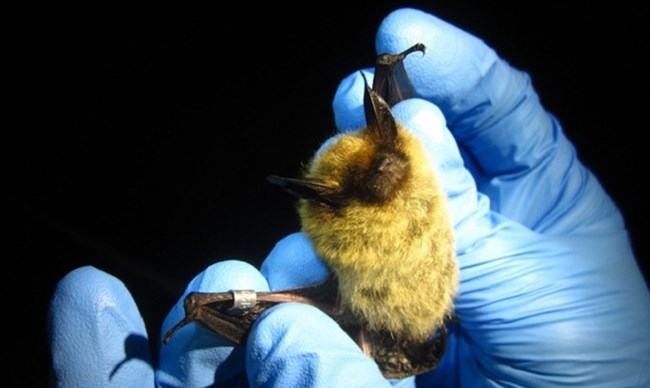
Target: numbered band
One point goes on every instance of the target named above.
(243, 300)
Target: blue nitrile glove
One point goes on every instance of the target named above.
(550, 291)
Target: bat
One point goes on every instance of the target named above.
(377, 216)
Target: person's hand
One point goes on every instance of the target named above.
(92, 310)
(550, 291)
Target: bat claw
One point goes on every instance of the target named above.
(174, 329)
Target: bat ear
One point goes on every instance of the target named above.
(379, 118)
(307, 189)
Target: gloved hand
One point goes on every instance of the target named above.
(550, 291)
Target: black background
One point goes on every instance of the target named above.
(141, 140)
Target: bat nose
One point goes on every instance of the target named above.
(386, 165)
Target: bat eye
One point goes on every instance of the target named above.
(384, 177)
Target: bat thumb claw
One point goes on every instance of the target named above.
(174, 329)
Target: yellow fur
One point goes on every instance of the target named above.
(394, 261)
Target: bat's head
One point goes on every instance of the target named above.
(367, 165)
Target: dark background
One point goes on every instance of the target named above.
(142, 140)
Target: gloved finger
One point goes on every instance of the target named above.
(465, 204)
(96, 333)
(515, 149)
(195, 356)
(296, 345)
(520, 290)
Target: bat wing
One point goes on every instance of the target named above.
(391, 82)
(216, 312)
(231, 314)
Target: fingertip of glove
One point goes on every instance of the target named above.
(454, 60)
(400, 27)
(229, 275)
(407, 26)
(94, 311)
(88, 276)
(90, 289)
(348, 101)
(428, 124)
(422, 118)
